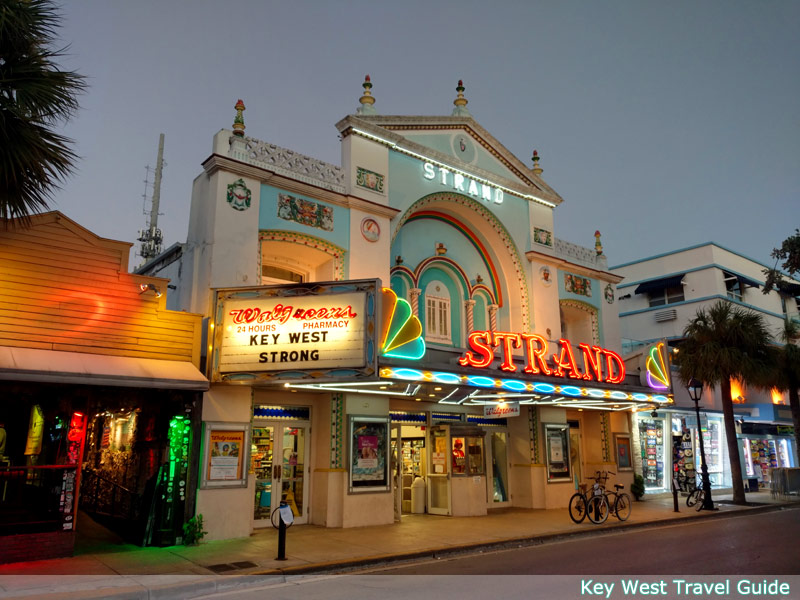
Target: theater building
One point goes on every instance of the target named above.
(401, 332)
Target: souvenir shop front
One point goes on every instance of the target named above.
(668, 441)
(764, 447)
(337, 408)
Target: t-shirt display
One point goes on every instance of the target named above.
(651, 437)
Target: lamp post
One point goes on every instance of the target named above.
(695, 389)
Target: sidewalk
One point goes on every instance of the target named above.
(127, 571)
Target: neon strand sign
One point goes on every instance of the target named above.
(599, 364)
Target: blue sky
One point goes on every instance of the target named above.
(663, 125)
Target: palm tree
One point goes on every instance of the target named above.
(787, 371)
(35, 96)
(722, 342)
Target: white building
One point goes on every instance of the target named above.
(659, 295)
(465, 396)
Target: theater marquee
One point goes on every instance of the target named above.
(320, 331)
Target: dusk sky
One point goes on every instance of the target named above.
(661, 124)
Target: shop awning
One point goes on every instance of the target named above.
(658, 285)
(51, 366)
(787, 287)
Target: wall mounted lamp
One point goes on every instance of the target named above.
(150, 286)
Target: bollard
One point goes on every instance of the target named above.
(674, 496)
(281, 533)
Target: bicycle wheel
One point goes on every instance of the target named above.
(701, 496)
(597, 509)
(577, 507)
(622, 506)
(691, 499)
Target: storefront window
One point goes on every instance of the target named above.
(651, 437)
(712, 428)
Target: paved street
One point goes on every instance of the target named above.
(759, 544)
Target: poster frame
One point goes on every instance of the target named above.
(623, 440)
(209, 427)
(381, 426)
(561, 431)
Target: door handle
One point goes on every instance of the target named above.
(276, 471)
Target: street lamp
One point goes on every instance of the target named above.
(695, 389)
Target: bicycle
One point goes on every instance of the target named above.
(594, 505)
(696, 498)
(622, 501)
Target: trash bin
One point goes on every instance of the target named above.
(418, 496)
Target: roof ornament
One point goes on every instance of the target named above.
(598, 247)
(238, 120)
(366, 100)
(537, 170)
(460, 102)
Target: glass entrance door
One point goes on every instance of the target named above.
(439, 472)
(499, 494)
(279, 461)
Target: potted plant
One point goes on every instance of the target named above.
(193, 531)
(637, 489)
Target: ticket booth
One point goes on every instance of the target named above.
(457, 471)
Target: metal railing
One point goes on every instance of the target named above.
(103, 496)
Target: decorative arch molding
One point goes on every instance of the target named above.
(419, 210)
(587, 308)
(414, 277)
(337, 253)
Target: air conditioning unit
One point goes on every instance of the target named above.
(666, 315)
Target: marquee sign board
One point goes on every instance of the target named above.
(320, 331)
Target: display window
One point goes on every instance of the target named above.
(651, 438)
(712, 445)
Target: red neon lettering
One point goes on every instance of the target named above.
(481, 353)
(592, 362)
(613, 357)
(509, 341)
(479, 342)
(566, 361)
(335, 312)
(535, 355)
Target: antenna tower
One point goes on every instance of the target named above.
(151, 236)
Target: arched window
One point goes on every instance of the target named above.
(437, 313)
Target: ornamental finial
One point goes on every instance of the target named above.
(366, 100)
(598, 247)
(238, 120)
(460, 102)
(537, 170)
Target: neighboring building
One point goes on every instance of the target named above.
(94, 372)
(658, 297)
(340, 393)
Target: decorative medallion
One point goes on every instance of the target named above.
(238, 195)
(369, 180)
(305, 212)
(578, 285)
(543, 237)
(545, 276)
(463, 147)
(609, 294)
(370, 229)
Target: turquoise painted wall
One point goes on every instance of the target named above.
(475, 154)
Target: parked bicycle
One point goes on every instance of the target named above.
(590, 502)
(696, 497)
(621, 504)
